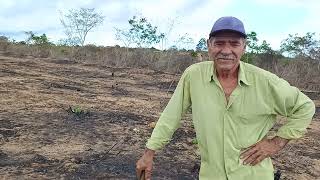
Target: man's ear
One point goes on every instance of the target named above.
(244, 49)
(245, 44)
(208, 40)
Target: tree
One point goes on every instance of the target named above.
(265, 47)
(202, 45)
(78, 23)
(305, 46)
(4, 39)
(4, 42)
(184, 42)
(140, 34)
(37, 40)
(173, 48)
(252, 42)
(254, 48)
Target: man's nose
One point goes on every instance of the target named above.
(226, 50)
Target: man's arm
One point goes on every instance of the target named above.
(287, 101)
(170, 118)
(290, 102)
(168, 122)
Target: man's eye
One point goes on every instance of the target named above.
(218, 43)
(235, 44)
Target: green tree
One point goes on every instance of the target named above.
(254, 48)
(265, 47)
(252, 42)
(32, 38)
(140, 34)
(304, 46)
(202, 45)
(78, 22)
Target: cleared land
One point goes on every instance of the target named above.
(42, 138)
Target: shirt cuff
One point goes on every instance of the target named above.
(286, 133)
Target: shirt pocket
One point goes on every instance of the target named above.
(253, 124)
(254, 112)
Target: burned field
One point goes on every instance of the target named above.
(61, 119)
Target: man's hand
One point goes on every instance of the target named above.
(263, 149)
(144, 164)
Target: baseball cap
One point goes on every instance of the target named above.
(228, 23)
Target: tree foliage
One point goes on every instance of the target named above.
(78, 22)
(4, 39)
(252, 42)
(202, 45)
(141, 33)
(254, 48)
(34, 39)
(303, 46)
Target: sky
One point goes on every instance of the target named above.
(272, 20)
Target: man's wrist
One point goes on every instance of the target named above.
(279, 141)
(150, 152)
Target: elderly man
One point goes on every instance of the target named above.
(234, 105)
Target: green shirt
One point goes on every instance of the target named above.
(224, 129)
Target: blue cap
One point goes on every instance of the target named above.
(228, 23)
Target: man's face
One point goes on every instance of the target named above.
(226, 49)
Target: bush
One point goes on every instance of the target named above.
(4, 43)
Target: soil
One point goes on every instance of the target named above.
(61, 119)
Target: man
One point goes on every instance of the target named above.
(234, 105)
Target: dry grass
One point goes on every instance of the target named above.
(302, 73)
(42, 139)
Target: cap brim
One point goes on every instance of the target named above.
(227, 30)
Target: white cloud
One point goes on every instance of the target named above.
(196, 23)
(311, 22)
(310, 7)
(287, 3)
(193, 17)
(200, 21)
(7, 4)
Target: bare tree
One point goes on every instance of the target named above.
(184, 42)
(78, 22)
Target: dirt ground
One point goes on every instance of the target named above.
(42, 137)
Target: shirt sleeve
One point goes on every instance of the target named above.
(290, 102)
(170, 118)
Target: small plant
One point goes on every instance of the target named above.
(194, 54)
(194, 141)
(77, 110)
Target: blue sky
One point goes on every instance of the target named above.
(272, 20)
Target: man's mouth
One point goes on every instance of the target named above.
(225, 59)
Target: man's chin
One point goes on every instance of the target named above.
(225, 64)
(225, 67)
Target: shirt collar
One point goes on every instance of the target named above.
(241, 77)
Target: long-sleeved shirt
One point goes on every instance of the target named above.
(224, 129)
